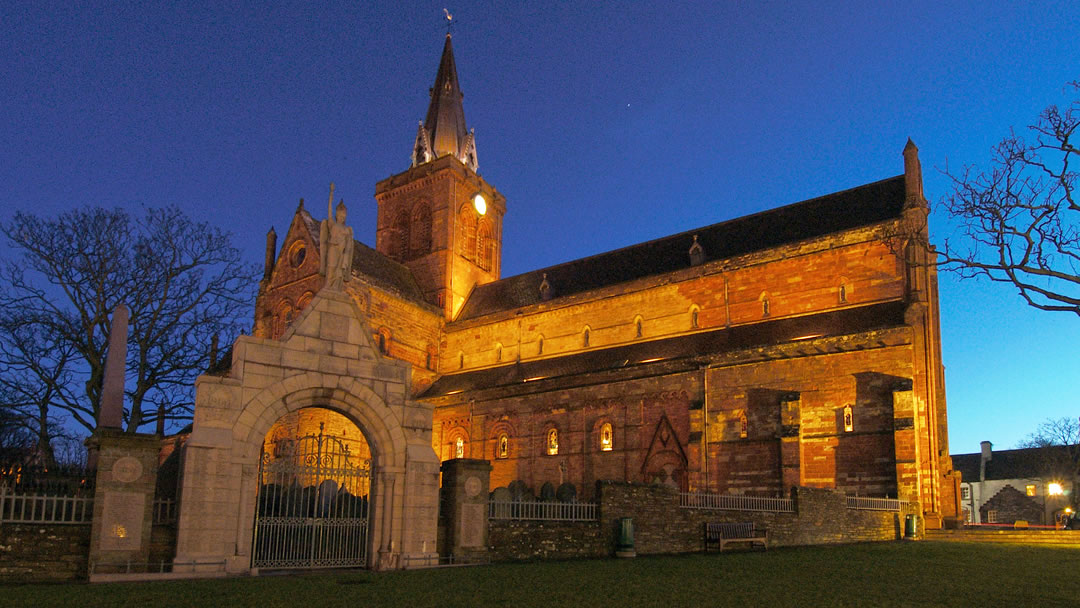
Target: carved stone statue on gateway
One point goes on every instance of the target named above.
(336, 246)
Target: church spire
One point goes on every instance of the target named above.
(443, 131)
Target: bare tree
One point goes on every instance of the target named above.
(1056, 450)
(1020, 221)
(182, 281)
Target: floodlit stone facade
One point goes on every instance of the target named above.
(795, 347)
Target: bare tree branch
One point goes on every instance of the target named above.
(182, 281)
(1019, 221)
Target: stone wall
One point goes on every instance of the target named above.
(662, 526)
(36, 552)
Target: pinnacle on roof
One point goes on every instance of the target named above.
(443, 131)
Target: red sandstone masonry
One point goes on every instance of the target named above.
(662, 526)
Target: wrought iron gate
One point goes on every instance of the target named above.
(312, 505)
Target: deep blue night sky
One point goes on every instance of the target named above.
(603, 126)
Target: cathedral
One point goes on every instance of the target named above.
(799, 346)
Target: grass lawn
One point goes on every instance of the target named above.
(880, 574)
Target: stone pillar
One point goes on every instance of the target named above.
(464, 497)
(906, 443)
(123, 499)
(790, 441)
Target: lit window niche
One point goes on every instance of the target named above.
(585, 338)
(502, 446)
(843, 293)
(743, 426)
(1030, 489)
(459, 447)
(849, 420)
(606, 442)
(552, 442)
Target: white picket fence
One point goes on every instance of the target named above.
(735, 502)
(537, 510)
(44, 509)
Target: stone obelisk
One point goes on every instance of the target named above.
(111, 414)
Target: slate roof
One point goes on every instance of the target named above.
(816, 217)
(386, 273)
(841, 322)
(1024, 463)
(374, 266)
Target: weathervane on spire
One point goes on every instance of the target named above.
(449, 20)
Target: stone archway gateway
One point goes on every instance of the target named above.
(313, 503)
(327, 360)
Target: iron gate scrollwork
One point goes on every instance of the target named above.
(312, 504)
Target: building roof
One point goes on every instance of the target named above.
(835, 323)
(386, 273)
(445, 122)
(373, 266)
(1024, 463)
(816, 217)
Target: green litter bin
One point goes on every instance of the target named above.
(624, 546)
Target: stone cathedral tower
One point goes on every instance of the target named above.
(440, 218)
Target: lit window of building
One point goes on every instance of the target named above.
(459, 447)
(849, 419)
(991, 517)
(1030, 489)
(965, 492)
(552, 442)
(606, 442)
(502, 447)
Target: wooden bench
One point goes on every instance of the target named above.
(720, 534)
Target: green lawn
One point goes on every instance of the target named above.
(882, 574)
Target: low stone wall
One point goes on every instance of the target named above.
(513, 540)
(43, 552)
(662, 526)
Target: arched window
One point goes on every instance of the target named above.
(399, 235)
(849, 419)
(429, 360)
(420, 236)
(742, 425)
(461, 360)
(467, 233)
(552, 442)
(842, 293)
(765, 307)
(502, 446)
(459, 447)
(383, 341)
(637, 327)
(498, 353)
(485, 246)
(606, 437)
(694, 319)
(585, 338)
(540, 345)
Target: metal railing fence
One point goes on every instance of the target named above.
(735, 502)
(869, 503)
(44, 509)
(537, 510)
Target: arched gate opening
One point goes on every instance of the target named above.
(313, 504)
